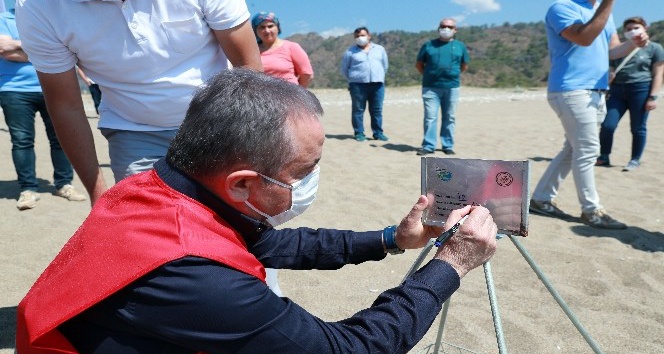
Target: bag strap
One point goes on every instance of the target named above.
(627, 58)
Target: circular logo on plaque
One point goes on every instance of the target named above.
(504, 179)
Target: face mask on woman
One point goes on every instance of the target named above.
(303, 193)
(633, 33)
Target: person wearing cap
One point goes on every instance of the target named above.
(283, 59)
(280, 57)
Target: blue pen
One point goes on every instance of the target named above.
(447, 234)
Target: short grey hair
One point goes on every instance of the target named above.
(239, 117)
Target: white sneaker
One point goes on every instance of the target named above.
(631, 165)
(70, 193)
(27, 200)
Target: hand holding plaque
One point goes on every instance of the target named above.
(500, 186)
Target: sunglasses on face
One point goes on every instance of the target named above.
(445, 26)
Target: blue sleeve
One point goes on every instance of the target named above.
(385, 60)
(4, 26)
(562, 15)
(305, 248)
(345, 63)
(200, 305)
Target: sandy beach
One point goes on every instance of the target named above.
(612, 280)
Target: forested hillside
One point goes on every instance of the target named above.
(501, 56)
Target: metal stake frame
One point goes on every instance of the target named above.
(493, 300)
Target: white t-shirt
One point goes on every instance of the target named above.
(148, 57)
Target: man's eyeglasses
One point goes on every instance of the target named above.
(444, 26)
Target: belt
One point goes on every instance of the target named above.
(599, 91)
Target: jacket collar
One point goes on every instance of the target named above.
(251, 229)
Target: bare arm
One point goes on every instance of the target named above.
(84, 77)
(464, 67)
(656, 86)
(64, 104)
(10, 49)
(239, 44)
(420, 67)
(8, 44)
(16, 55)
(585, 33)
(304, 80)
(619, 50)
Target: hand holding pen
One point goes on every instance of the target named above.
(474, 240)
(440, 240)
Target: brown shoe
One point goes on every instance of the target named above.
(601, 220)
(549, 209)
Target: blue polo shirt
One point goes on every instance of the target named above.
(15, 76)
(575, 67)
(442, 63)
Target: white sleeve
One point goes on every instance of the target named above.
(224, 14)
(39, 40)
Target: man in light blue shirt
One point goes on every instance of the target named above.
(364, 66)
(581, 38)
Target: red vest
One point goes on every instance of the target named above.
(135, 227)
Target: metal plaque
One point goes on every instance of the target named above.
(500, 186)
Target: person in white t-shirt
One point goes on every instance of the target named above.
(147, 56)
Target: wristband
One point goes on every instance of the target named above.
(389, 240)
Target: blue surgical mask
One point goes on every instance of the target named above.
(303, 194)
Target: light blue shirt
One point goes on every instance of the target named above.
(15, 76)
(361, 66)
(576, 67)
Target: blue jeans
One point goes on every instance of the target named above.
(625, 97)
(360, 94)
(19, 109)
(580, 112)
(447, 100)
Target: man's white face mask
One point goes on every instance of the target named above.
(446, 33)
(362, 41)
(303, 193)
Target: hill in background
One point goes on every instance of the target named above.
(501, 56)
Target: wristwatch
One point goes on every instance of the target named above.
(389, 240)
(652, 98)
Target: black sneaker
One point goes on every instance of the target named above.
(601, 220)
(603, 161)
(547, 209)
(422, 152)
(449, 152)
